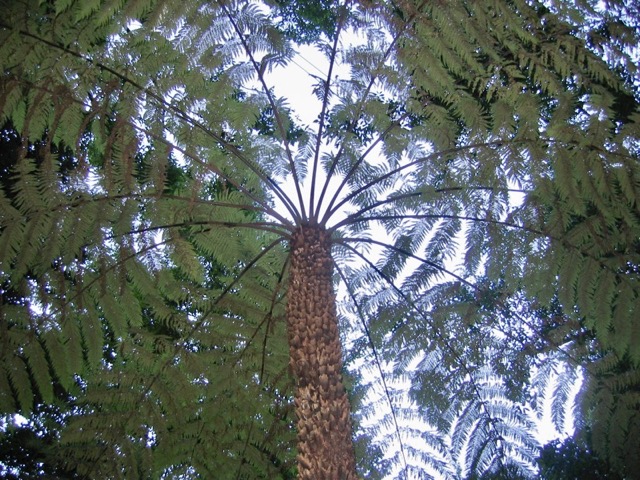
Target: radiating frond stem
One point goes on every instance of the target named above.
(382, 217)
(221, 174)
(274, 300)
(330, 211)
(372, 206)
(313, 212)
(244, 449)
(357, 217)
(376, 358)
(179, 346)
(122, 261)
(554, 345)
(362, 102)
(262, 226)
(419, 161)
(167, 106)
(230, 179)
(470, 188)
(119, 263)
(215, 203)
(274, 107)
(454, 150)
(436, 331)
(355, 166)
(267, 318)
(154, 196)
(408, 254)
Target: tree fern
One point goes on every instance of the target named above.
(160, 259)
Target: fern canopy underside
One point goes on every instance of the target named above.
(477, 168)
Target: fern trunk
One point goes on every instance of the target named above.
(325, 444)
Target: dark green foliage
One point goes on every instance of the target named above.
(503, 473)
(608, 422)
(13, 149)
(568, 460)
(266, 124)
(28, 450)
(305, 21)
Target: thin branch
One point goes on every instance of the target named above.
(79, 202)
(553, 238)
(329, 211)
(87, 286)
(117, 264)
(217, 171)
(274, 300)
(558, 347)
(244, 450)
(267, 318)
(407, 253)
(266, 208)
(355, 217)
(263, 226)
(351, 221)
(378, 363)
(325, 105)
(355, 166)
(449, 151)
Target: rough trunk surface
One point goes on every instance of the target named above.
(325, 446)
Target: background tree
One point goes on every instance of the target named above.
(568, 460)
(198, 236)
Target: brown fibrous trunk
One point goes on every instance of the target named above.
(325, 444)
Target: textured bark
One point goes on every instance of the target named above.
(325, 445)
